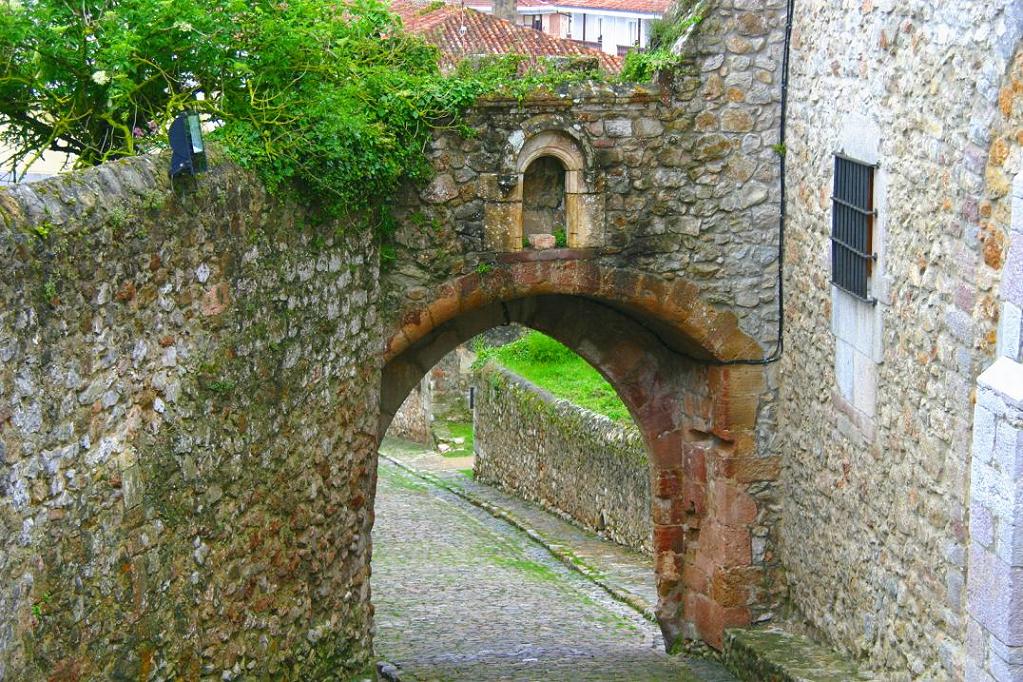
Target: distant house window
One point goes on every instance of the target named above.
(852, 225)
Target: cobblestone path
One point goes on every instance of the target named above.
(462, 595)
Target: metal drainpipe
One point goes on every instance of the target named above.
(780, 347)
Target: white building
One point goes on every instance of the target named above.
(615, 26)
(49, 163)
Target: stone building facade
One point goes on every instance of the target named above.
(877, 426)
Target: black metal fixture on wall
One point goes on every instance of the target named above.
(188, 151)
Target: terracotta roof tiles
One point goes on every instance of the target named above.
(486, 34)
(658, 7)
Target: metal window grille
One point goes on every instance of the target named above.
(852, 226)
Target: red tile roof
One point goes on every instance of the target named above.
(486, 34)
(658, 7)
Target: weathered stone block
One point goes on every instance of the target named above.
(995, 593)
(541, 241)
(647, 127)
(1010, 332)
(1004, 380)
(502, 226)
(618, 127)
(585, 217)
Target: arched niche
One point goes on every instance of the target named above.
(512, 196)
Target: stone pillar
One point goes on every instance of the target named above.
(502, 211)
(1010, 336)
(584, 212)
(995, 583)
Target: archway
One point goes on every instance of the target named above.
(662, 351)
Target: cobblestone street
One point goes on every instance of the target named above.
(463, 595)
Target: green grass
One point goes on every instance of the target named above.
(468, 473)
(554, 367)
(448, 431)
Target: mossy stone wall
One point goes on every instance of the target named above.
(188, 385)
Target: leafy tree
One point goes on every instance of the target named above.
(332, 94)
(329, 97)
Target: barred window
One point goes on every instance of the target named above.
(852, 226)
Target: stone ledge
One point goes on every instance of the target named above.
(775, 655)
(1004, 377)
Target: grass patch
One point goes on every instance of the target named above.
(447, 431)
(468, 473)
(555, 368)
(527, 566)
(400, 479)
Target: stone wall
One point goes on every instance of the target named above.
(190, 383)
(877, 478)
(412, 420)
(568, 459)
(188, 391)
(679, 187)
(994, 634)
(678, 179)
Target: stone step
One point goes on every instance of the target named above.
(772, 654)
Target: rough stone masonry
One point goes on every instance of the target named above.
(186, 453)
(878, 401)
(189, 381)
(568, 459)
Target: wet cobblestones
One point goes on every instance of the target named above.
(462, 595)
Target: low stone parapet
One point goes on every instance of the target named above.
(570, 460)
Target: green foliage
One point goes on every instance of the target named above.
(42, 229)
(330, 99)
(448, 431)
(220, 386)
(50, 289)
(779, 148)
(560, 238)
(640, 67)
(484, 268)
(554, 367)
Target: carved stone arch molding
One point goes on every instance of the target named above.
(543, 136)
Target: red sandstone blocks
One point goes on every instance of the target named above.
(446, 306)
(666, 451)
(711, 619)
(731, 505)
(669, 538)
(695, 579)
(726, 545)
(671, 511)
(668, 483)
(734, 586)
(694, 497)
(695, 459)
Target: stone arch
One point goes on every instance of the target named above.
(650, 339)
(504, 192)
